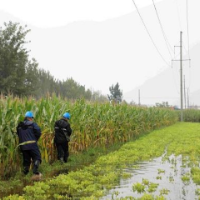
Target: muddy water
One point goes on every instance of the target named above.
(166, 173)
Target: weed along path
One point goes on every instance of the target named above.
(163, 164)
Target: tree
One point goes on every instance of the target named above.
(164, 104)
(115, 93)
(132, 103)
(97, 96)
(31, 79)
(20, 75)
(13, 58)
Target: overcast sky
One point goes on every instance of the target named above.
(52, 13)
(123, 54)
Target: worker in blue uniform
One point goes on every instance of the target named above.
(63, 132)
(29, 133)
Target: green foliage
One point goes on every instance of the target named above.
(191, 115)
(93, 125)
(115, 93)
(20, 76)
(145, 186)
(196, 175)
(185, 178)
(197, 191)
(162, 105)
(145, 181)
(152, 187)
(147, 197)
(126, 175)
(160, 171)
(164, 191)
(138, 187)
(159, 177)
(13, 58)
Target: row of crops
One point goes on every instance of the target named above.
(93, 124)
(191, 115)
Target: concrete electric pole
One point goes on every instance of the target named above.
(181, 74)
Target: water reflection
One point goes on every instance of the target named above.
(167, 173)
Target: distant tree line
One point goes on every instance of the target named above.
(20, 75)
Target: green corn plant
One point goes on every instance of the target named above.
(93, 124)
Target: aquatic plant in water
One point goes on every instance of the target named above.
(164, 192)
(152, 187)
(186, 178)
(160, 171)
(145, 181)
(138, 187)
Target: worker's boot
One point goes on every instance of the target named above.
(36, 166)
(36, 177)
(26, 170)
(65, 159)
(62, 160)
(36, 174)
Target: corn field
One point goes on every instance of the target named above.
(190, 115)
(93, 124)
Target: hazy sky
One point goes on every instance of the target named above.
(119, 44)
(51, 13)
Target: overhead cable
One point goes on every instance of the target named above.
(179, 19)
(188, 41)
(187, 19)
(163, 32)
(149, 34)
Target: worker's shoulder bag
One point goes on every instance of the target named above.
(64, 131)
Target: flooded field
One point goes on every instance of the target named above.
(169, 178)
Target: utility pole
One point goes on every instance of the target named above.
(139, 97)
(181, 76)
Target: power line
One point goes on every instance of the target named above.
(188, 40)
(149, 33)
(187, 19)
(163, 32)
(179, 19)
